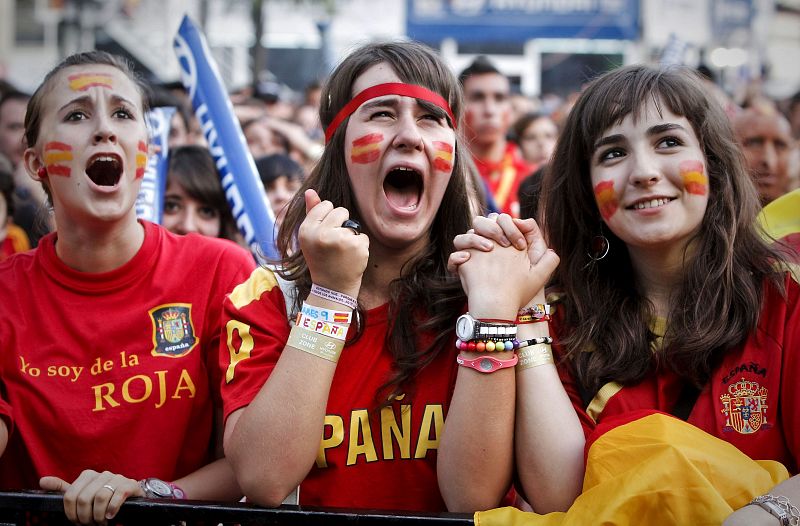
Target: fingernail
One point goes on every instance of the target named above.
(505, 242)
(487, 245)
(520, 244)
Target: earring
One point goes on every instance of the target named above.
(599, 246)
(42, 172)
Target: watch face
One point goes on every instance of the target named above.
(159, 487)
(465, 327)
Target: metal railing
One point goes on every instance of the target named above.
(35, 507)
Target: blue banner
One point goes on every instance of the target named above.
(432, 21)
(237, 170)
(150, 201)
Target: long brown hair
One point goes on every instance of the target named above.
(424, 297)
(606, 316)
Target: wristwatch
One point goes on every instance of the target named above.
(468, 328)
(486, 364)
(158, 489)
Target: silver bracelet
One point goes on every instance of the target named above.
(779, 507)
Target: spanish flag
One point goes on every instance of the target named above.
(84, 81)
(443, 161)
(606, 199)
(367, 148)
(694, 180)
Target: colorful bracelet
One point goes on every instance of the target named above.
(334, 316)
(317, 344)
(334, 330)
(334, 295)
(499, 345)
(535, 313)
(534, 356)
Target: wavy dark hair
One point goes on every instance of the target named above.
(607, 318)
(425, 297)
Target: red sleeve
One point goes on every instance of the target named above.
(255, 329)
(790, 369)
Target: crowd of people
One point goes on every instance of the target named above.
(478, 306)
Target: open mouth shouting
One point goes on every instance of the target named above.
(403, 188)
(105, 169)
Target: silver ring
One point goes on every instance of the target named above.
(353, 225)
(110, 487)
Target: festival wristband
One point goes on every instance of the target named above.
(535, 313)
(534, 356)
(326, 328)
(334, 316)
(317, 344)
(334, 296)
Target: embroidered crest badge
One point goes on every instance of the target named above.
(173, 330)
(745, 407)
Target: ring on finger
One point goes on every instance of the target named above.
(110, 487)
(353, 225)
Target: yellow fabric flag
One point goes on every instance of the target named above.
(656, 470)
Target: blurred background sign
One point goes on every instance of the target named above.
(432, 21)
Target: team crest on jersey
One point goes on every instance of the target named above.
(173, 331)
(745, 407)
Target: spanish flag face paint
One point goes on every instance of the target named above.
(366, 149)
(57, 155)
(606, 198)
(694, 180)
(84, 81)
(141, 159)
(443, 156)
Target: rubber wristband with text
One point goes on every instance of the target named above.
(317, 344)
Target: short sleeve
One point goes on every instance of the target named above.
(255, 329)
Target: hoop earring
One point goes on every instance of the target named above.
(599, 246)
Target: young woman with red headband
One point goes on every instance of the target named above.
(360, 423)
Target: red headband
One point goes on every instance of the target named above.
(390, 88)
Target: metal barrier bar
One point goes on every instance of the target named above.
(35, 507)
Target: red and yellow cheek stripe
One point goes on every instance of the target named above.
(141, 159)
(694, 180)
(366, 149)
(84, 81)
(56, 153)
(606, 198)
(443, 160)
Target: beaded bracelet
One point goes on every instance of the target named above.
(334, 295)
(499, 346)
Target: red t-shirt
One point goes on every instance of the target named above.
(751, 400)
(367, 460)
(503, 178)
(113, 371)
